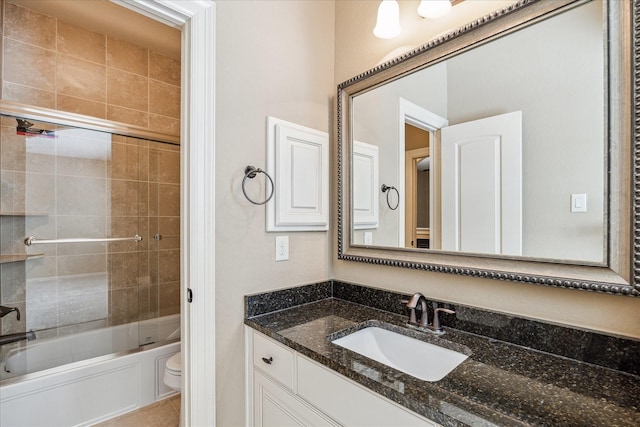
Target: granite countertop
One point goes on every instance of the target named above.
(498, 384)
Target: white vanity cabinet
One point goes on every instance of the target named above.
(285, 388)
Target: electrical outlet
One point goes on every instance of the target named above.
(282, 248)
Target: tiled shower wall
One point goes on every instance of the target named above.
(53, 64)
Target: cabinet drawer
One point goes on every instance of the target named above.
(273, 359)
(349, 403)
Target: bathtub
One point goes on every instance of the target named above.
(104, 373)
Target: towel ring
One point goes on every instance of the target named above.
(386, 189)
(251, 172)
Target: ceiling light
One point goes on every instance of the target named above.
(388, 23)
(432, 9)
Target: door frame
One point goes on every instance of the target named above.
(196, 20)
(411, 182)
(424, 119)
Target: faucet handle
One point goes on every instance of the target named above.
(436, 326)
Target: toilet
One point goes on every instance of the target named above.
(173, 372)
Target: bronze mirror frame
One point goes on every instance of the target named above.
(621, 275)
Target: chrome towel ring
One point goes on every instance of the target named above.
(386, 189)
(251, 172)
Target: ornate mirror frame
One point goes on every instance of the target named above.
(621, 275)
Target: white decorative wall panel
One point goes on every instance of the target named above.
(298, 161)
(365, 186)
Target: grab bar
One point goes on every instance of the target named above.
(31, 240)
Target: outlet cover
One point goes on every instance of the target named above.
(282, 248)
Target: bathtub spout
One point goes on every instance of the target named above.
(7, 339)
(6, 310)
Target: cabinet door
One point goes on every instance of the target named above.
(275, 407)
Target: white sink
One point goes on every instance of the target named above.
(417, 358)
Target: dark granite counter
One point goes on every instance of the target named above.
(501, 383)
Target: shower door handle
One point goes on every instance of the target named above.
(31, 240)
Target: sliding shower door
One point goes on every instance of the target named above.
(89, 242)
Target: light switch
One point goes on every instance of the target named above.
(578, 203)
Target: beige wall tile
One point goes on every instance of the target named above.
(143, 198)
(169, 225)
(82, 106)
(144, 302)
(29, 66)
(169, 199)
(127, 57)
(127, 115)
(13, 150)
(81, 264)
(124, 198)
(169, 298)
(154, 199)
(164, 166)
(126, 227)
(12, 283)
(123, 270)
(164, 124)
(154, 262)
(80, 196)
(127, 90)
(124, 161)
(169, 265)
(80, 166)
(80, 43)
(144, 230)
(12, 186)
(164, 99)
(165, 69)
(143, 159)
(29, 27)
(28, 95)
(124, 306)
(40, 196)
(11, 233)
(70, 226)
(81, 79)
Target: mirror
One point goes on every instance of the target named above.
(499, 150)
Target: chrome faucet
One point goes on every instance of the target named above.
(412, 304)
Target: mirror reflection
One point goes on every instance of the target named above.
(500, 150)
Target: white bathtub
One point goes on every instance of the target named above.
(105, 373)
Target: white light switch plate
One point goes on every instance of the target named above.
(578, 203)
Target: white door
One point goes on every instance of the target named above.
(482, 185)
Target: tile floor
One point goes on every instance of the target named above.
(165, 413)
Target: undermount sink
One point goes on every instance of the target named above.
(425, 361)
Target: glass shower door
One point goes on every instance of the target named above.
(79, 210)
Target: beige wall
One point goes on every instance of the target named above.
(358, 50)
(274, 58)
(53, 64)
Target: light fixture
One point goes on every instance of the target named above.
(388, 23)
(432, 9)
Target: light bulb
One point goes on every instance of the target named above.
(388, 23)
(432, 9)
